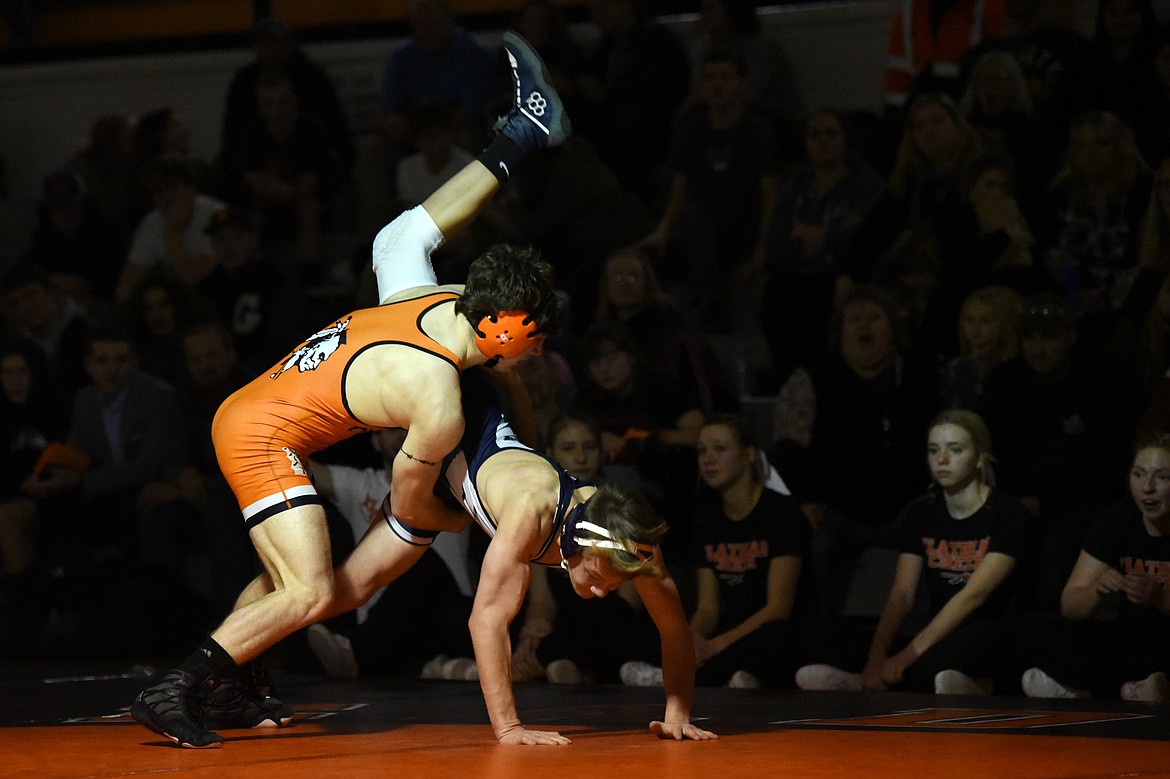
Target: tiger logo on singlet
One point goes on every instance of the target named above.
(319, 348)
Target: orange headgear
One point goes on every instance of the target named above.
(506, 334)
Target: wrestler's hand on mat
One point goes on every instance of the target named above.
(680, 731)
(519, 735)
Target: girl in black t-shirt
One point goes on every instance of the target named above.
(753, 543)
(1111, 635)
(963, 540)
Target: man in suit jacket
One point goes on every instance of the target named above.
(130, 426)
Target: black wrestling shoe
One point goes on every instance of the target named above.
(232, 705)
(265, 689)
(171, 708)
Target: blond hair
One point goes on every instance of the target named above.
(1120, 136)
(1005, 305)
(974, 426)
(910, 160)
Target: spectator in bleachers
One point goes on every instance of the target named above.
(817, 209)
(437, 157)
(442, 63)
(990, 232)
(1109, 638)
(274, 46)
(937, 141)
(770, 87)
(255, 295)
(635, 80)
(870, 404)
(647, 421)
(286, 171)
(984, 239)
(171, 238)
(966, 541)
(1121, 64)
(105, 164)
(570, 205)
(1089, 229)
(754, 586)
(439, 63)
(33, 415)
(936, 144)
(630, 293)
(723, 182)
(161, 134)
(1062, 419)
(76, 243)
(988, 332)
(1054, 58)
(129, 425)
(634, 406)
(912, 271)
(53, 321)
(550, 388)
(998, 104)
(155, 315)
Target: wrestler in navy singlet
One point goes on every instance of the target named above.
(487, 432)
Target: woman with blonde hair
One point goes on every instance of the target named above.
(936, 143)
(963, 540)
(1089, 226)
(925, 183)
(989, 334)
(998, 104)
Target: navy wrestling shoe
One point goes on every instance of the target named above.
(171, 708)
(537, 119)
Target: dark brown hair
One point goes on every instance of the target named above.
(511, 278)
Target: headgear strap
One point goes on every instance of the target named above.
(573, 538)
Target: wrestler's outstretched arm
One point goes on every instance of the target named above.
(503, 582)
(660, 595)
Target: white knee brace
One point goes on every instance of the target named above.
(402, 253)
